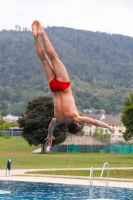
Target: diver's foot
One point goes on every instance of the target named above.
(34, 27)
(40, 28)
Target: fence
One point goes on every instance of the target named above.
(13, 132)
(86, 143)
(93, 144)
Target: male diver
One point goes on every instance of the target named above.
(64, 105)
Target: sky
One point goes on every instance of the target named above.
(110, 16)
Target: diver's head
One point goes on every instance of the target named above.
(74, 128)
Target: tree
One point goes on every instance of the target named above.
(2, 122)
(5, 125)
(99, 134)
(127, 118)
(36, 119)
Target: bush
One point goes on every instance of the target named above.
(4, 135)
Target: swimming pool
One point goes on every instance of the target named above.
(51, 191)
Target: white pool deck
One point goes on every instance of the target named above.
(19, 175)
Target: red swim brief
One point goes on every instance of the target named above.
(57, 86)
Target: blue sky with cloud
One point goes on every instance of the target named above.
(111, 16)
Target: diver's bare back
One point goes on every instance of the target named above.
(64, 106)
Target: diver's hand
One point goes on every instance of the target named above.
(111, 129)
(49, 139)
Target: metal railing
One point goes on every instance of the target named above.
(107, 181)
(91, 176)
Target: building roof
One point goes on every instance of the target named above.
(107, 118)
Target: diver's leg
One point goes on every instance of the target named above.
(58, 67)
(41, 53)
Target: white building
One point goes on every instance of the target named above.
(11, 118)
(111, 120)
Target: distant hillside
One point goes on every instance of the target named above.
(100, 67)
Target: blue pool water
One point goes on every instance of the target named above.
(49, 191)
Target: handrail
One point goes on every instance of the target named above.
(91, 176)
(107, 182)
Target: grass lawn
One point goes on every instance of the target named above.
(56, 160)
(15, 144)
(96, 173)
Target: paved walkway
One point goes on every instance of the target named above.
(19, 175)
